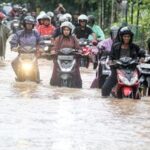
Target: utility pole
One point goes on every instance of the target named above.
(99, 12)
(112, 11)
(138, 14)
(132, 5)
(127, 12)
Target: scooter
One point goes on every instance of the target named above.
(28, 67)
(47, 43)
(127, 79)
(103, 69)
(86, 51)
(66, 60)
(144, 69)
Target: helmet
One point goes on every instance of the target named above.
(46, 17)
(83, 17)
(42, 12)
(67, 24)
(125, 30)
(114, 31)
(63, 18)
(2, 16)
(91, 19)
(68, 16)
(24, 10)
(29, 19)
(50, 14)
(8, 4)
(3, 4)
(40, 16)
(16, 7)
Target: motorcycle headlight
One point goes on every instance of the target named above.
(27, 66)
(133, 80)
(85, 43)
(16, 24)
(46, 48)
(127, 82)
(124, 80)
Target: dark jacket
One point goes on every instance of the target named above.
(116, 49)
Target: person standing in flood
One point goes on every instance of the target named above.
(4, 34)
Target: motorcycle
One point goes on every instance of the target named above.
(28, 67)
(86, 51)
(103, 69)
(15, 25)
(47, 42)
(144, 69)
(127, 78)
(66, 60)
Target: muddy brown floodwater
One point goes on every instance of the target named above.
(42, 117)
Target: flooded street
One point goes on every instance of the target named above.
(42, 117)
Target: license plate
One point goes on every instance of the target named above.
(16, 24)
(61, 57)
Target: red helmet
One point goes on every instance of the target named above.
(2, 16)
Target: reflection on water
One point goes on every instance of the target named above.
(41, 117)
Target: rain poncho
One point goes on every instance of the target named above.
(4, 34)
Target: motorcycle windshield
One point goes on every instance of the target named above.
(66, 63)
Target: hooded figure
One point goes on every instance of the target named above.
(66, 40)
(4, 34)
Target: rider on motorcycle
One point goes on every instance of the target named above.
(104, 49)
(25, 37)
(65, 40)
(14, 12)
(96, 29)
(106, 44)
(46, 28)
(40, 19)
(23, 15)
(57, 31)
(124, 48)
(83, 31)
(51, 15)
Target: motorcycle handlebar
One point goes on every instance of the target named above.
(27, 50)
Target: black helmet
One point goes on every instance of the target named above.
(125, 30)
(91, 19)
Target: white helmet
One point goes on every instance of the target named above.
(63, 18)
(83, 17)
(42, 12)
(46, 17)
(67, 24)
(24, 9)
(40, 16)
(50, 14)
(69, 16)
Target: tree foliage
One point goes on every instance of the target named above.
(107, 12)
